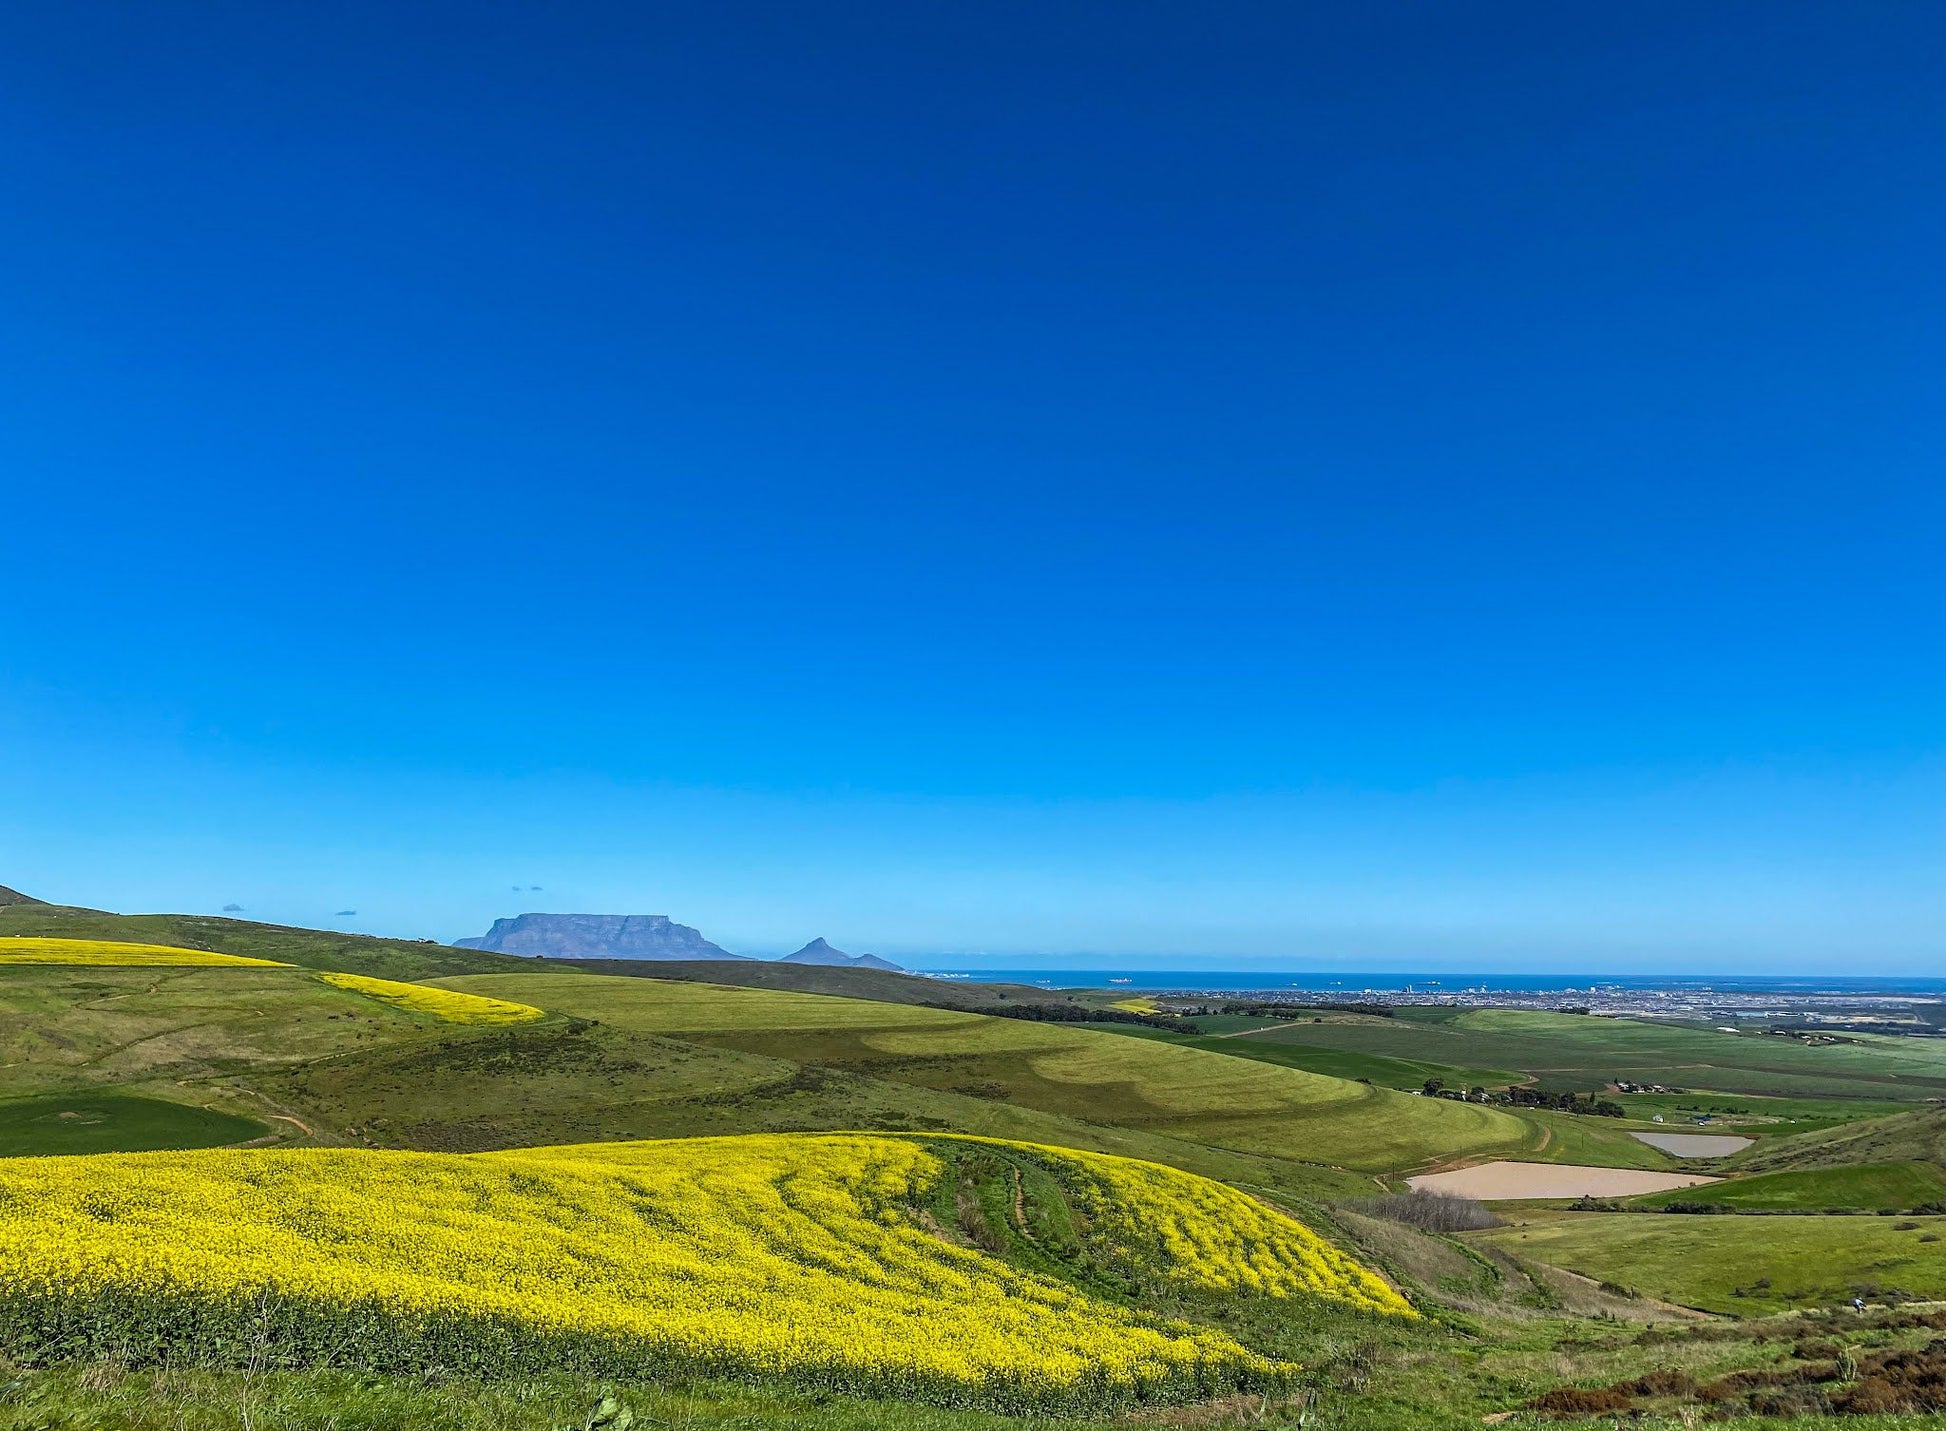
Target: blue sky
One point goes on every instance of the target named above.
(1404, 486)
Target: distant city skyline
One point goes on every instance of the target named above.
(1404, 485)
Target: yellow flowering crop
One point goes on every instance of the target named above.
(454, 1008)
(1208, 1236)
(113, 953)
(790, 1257)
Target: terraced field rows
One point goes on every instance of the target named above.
(1185, 1093)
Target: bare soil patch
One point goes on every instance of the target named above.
(1508, 1181)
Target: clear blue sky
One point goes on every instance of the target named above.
(1354, 486)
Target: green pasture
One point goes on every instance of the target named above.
(1380, 1069)
(1739, 1266)
(1916, 1135)
(1571, 1052)
(66, 1026)
(1898, 1186)
(90, 1122)
(1140, 1084)
(1753, 1115)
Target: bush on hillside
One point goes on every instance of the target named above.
(1434, 1212)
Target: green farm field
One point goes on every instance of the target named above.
(1182, 1093)
(1381, 1069)
(1754, 1116)
(1568, 1053)
(114, 1123)
(1738, 1266)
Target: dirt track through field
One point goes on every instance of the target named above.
(1508, 1182)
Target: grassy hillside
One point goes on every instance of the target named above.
(1096, 1077)
(1387, 1071)
(182, 1049)
(1868, 1188)
(1916, 1136)
(313, 948)
(1742, 1266)
(877, 984)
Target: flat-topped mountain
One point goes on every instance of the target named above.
(819, 952)
(597, 936)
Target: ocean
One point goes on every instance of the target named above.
(1350, 985)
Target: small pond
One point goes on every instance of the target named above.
(1696, 1145)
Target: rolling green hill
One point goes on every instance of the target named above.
(1739, 1266)
(1915, 1136)
(180, 1052)
(1865, 1188)
(877, 984)
(1097, 1077)
(313, 948)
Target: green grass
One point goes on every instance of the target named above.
(1380, 1069)
(114, 1123)
(1740, 1266)
(1098, 1078)
(579, 1081)
(65, 1026)
(408, 959)
(1918, 1136)
(1569, 1052)
(1884, 1185)
(1752, 1115)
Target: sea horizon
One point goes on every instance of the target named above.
(1351, 983)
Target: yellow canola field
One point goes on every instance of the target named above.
(790, 1257)
(1213, 1238)
(16, 950)
(454, 1008)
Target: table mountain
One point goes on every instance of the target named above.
(597, 936)
(819, 952)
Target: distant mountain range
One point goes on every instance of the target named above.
(635, 936)
(819, 952)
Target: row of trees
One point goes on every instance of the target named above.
(1587, 1104)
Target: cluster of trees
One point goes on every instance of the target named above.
(1079, 1014)
(1277, 1010)
(1587, 1104)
